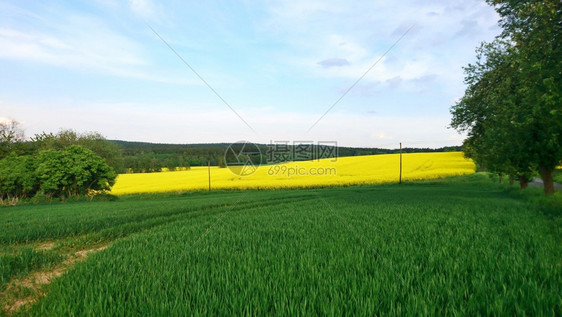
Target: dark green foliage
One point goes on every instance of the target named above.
(460, 246)
(40, 198)
(17, 177)
(492, 113)
(222, 162)
(73, 171)
(94, 141)
(512, 107)
(61, 165)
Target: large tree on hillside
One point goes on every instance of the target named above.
(512, 107)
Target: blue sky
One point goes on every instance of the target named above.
(97, 66)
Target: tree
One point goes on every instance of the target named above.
(17, 177)
(104, 148)
(222, 162)
(512, 106)
(535, 29)
(73, 171)
(490, 111)
(94, 141)
(10, 135)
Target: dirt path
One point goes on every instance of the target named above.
(35, 281)
(537, 182)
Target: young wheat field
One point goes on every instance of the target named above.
(458, 245)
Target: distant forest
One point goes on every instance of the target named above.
(139, 157)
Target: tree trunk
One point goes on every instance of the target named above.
(501, 179)
(546, 174)
(523, 182)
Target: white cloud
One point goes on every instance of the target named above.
(141, 7)
(380, 135)
(75, 42)
(83, 43)
(146, 9)
(361, 32)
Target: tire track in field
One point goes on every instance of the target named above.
(35, 282)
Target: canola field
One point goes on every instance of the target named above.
(371, 169)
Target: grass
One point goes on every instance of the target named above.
(460, 245)
(23, 261)
(550, 205)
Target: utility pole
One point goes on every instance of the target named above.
(400, 179)
(209, 170)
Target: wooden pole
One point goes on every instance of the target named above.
(209, 170)
(400, 179)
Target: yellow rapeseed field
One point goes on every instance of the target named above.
(371, 169)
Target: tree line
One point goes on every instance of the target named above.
(139, 157)
(512, 106)
(143, 157)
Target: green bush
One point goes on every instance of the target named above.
(74, 171)
(17, 177)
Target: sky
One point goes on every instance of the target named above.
(225, 71)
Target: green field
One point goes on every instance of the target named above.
(460, 245)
